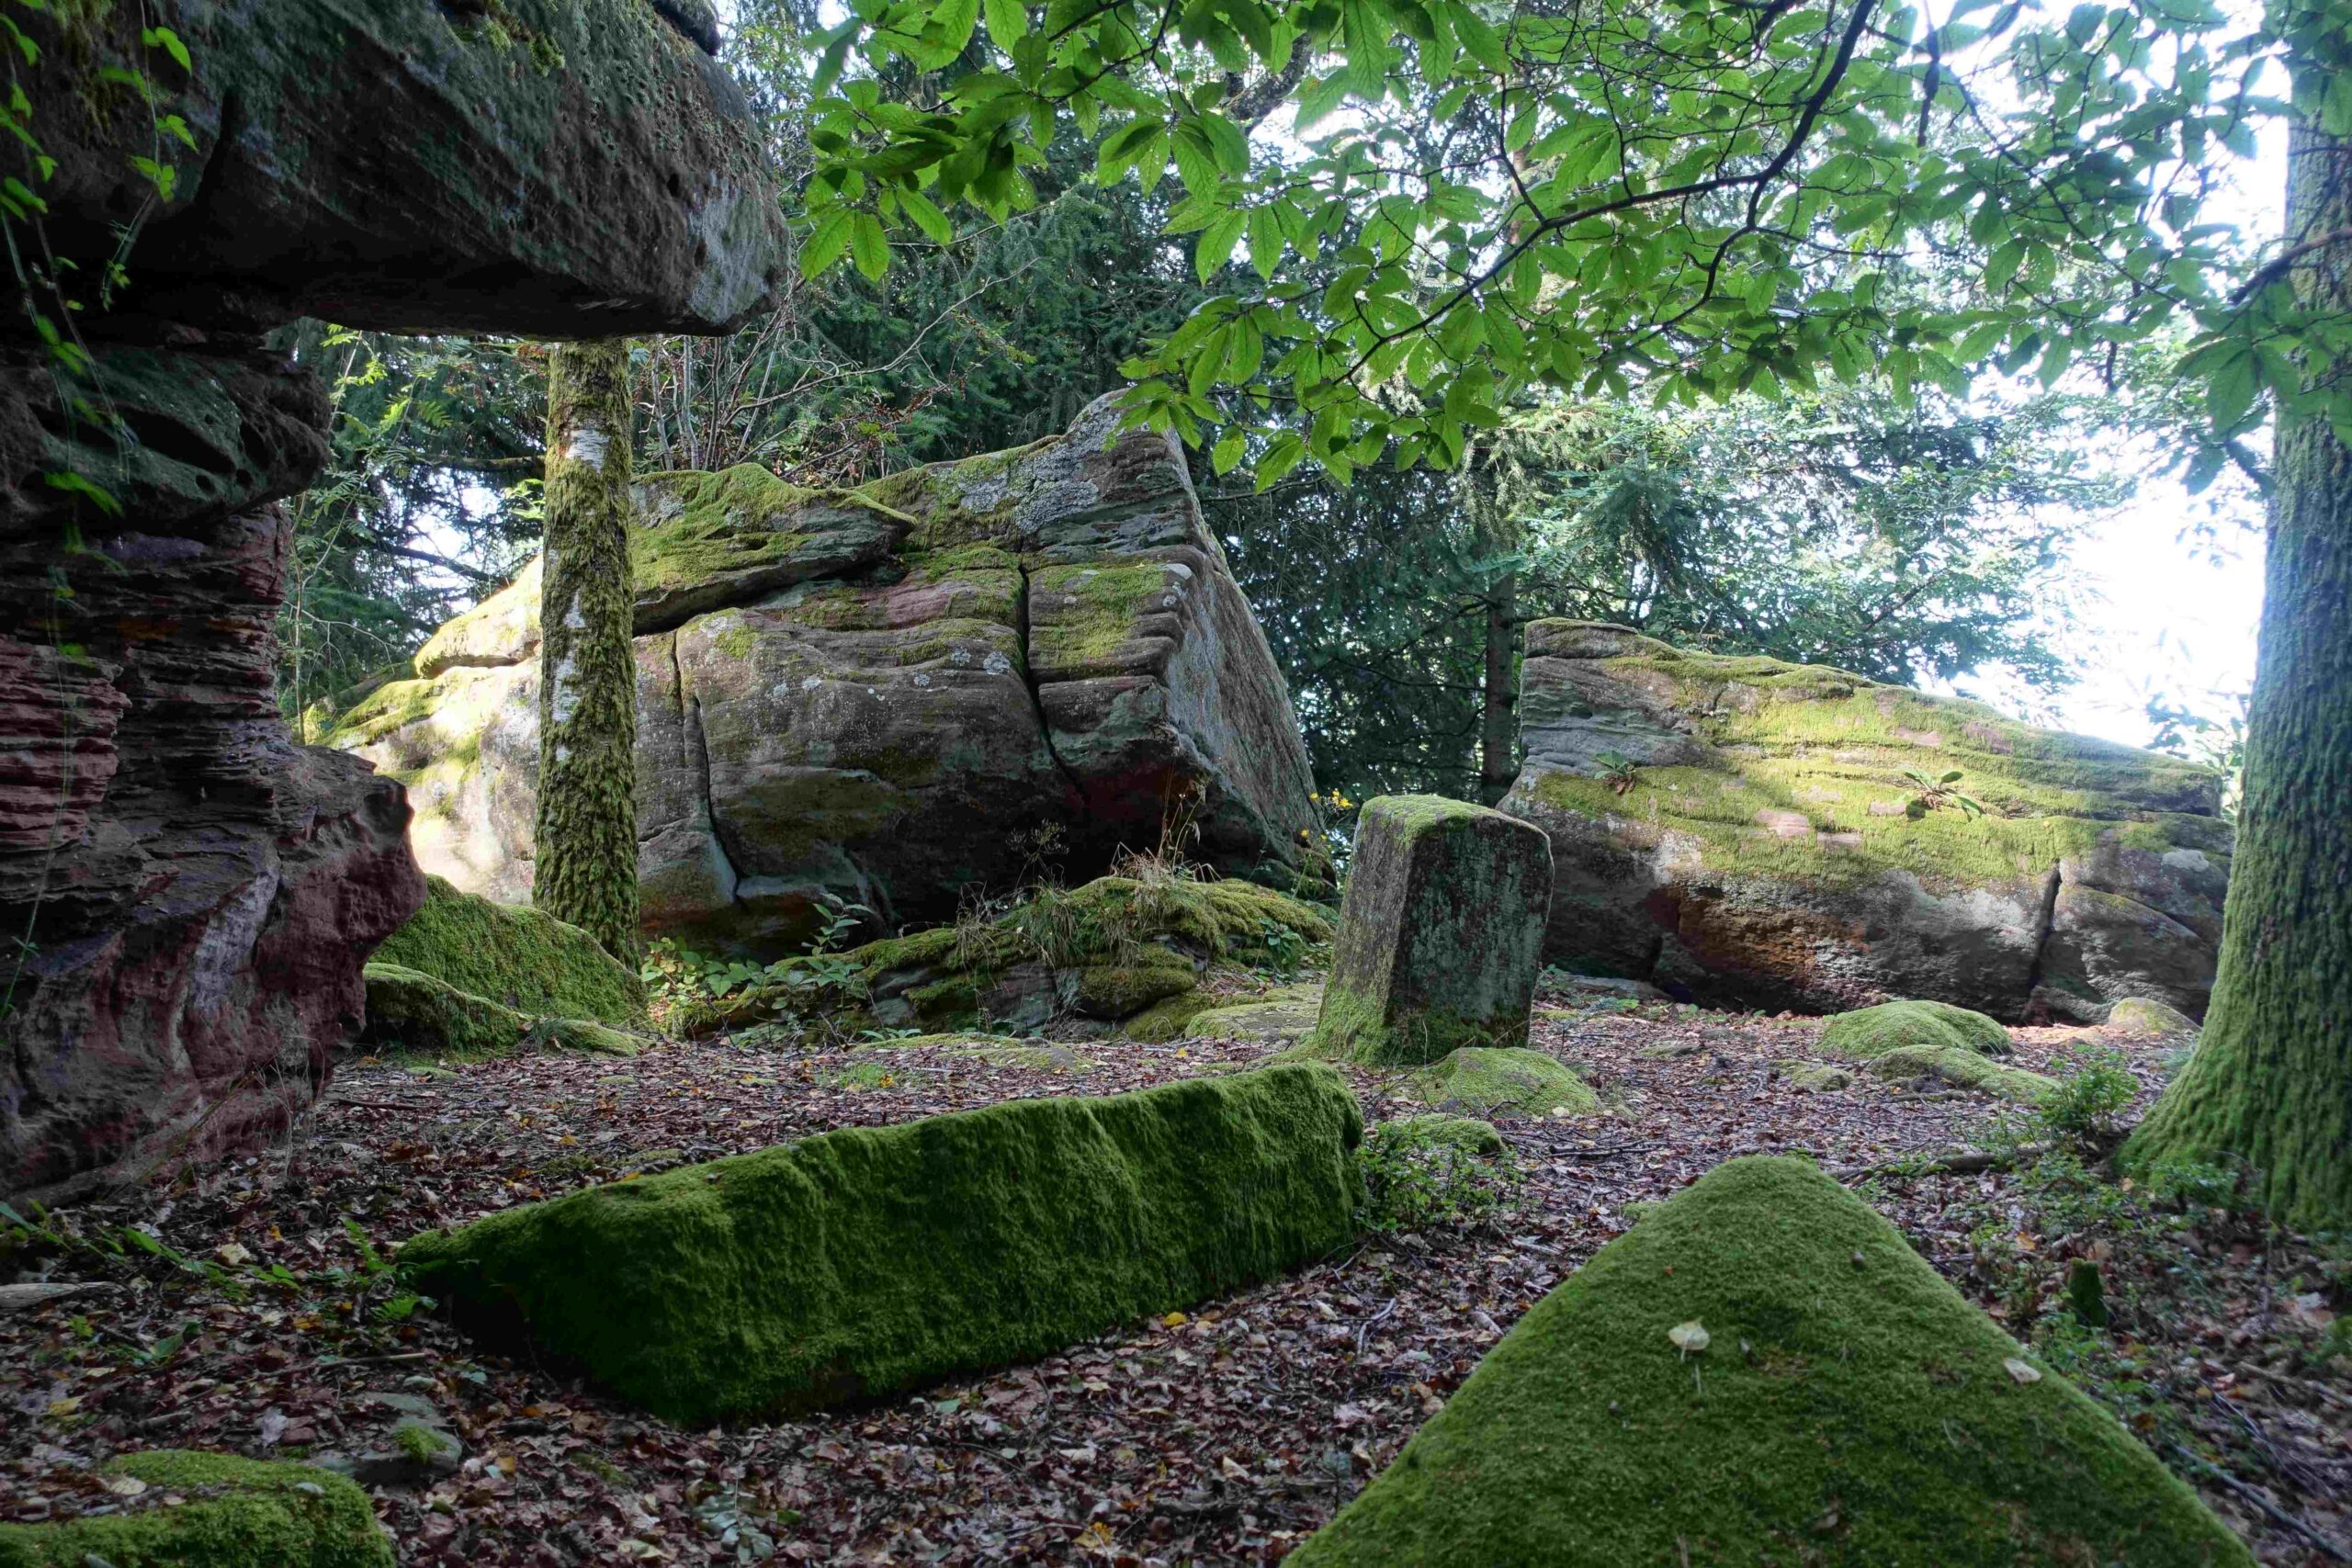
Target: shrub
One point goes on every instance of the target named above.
(1422, 1172)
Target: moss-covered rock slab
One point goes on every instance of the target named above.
(1510, 1080)
(1874, 1031)
(517, 957)
(1848, 1409)
(409, 1010)
(1441, 934)
(1927, 1065)
(204, 1510)
(1284, 1016)
(1764, 844)
(885, 696)
(877, 1259)
(2142, 1018)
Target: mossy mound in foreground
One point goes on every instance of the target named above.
(1490, 1080)
(522, 960)
(233, 1513)
(1848, 1410)
(877, 1259)
(1118, 947)
(411, 1011)
(1874, 1031)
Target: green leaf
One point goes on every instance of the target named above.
(927, 216)
(1008, 22)
(169, 42)
(869, 246)
(1227, 453)
(826, 241)
(1217, 243)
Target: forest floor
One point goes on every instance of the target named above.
(247, 1307)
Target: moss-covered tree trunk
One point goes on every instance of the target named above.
(587, 870)
(2271, 1082)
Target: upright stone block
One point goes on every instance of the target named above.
(1441, 934)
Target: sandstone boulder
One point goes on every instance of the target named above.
(1440, 935)
(191, 896)
(883, 695)
(1754, 836)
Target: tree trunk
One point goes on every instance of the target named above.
(1499, 731)
(2271, 1082)
(586, 870)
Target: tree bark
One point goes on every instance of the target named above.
(1498, 729)
(2271, 1082)
(587, 870)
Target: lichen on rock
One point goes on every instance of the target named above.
(870, 1260)
(1847, 1409)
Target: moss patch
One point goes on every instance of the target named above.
(1850, 1411)
(1466, 1134)
(1960, 1068)
(235, 1513)
(2138, 1016)
(517, 957)
(1874, 1031)
(1817, 1077)
(1493, 1080)
(875, 1259)
(409, 1010)
(1286, 1013)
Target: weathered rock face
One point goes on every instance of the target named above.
(1763, 852)
(1441, 934)
(195, 893)
(882, 695)
(552, 168)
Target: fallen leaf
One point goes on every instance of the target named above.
(1691, 1338)
(2021, 1371)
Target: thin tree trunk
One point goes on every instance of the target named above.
(587, 870)
(2271, 1082)
(1498, 729)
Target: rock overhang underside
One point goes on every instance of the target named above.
(1767, 851)
(892, 696)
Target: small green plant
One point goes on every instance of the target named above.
(680, 974)
(1935, 793)
(1618, 770)
(1284, 947)
(419, 1443)
(1415, 1180)
(2083, 1112)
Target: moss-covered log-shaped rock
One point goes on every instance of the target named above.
(409, 1010)
(205, 1510)
(1846, 1408)
(1753, 837)
(1116, 948)
(1874, 1031)
(877, 1259)
(883, 695)
(1441, 934)
(519, 958)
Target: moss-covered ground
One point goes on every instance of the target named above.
(516, 957)
(186, 1509)
(873, 1259)
(1762, 1371)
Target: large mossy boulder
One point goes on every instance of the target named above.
(1441, 934)
(186, 1509)
(871, 1260)
(1118, 948)
(1845, 1407)
(1754, 837)
(470, 978)
(898, 696)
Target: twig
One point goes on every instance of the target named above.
(1974, 1162)
(2270, 1510)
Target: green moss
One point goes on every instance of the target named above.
(1466, 1134)
(1960, 1068)
(409, 1010)
(1497, 1080)
(2140, 1016)
(709, 524)
(420, 1443)
(1084, 620)
(1120, 991)
(1849, 1411)
(1817, 1077)
(517, 957)
(875, 1259)
(1873, 1031)
(234, 1513)
(1171, 1018)
(1288, 1012)
(394, 705)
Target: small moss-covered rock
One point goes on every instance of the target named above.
(1465, 1133)
(1441, 934)
(411, 1011)
(1284, 1015)
(875, 1259)
(516, 957)
(2142, 1018)
(1848, 1410)
(1815, 1078)
(1122, 991)
(1168, 1020)
(1498, 1079)
(231, 1513)
(1958, 1068)
(1874, 1031)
